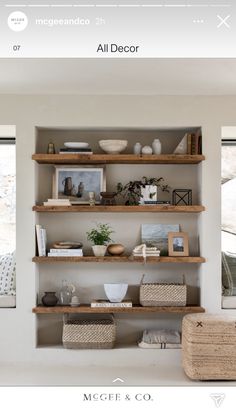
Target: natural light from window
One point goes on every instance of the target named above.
(228, 213)
(7, 196)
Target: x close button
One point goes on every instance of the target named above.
(223, 21)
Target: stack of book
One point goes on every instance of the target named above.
(41, 240)
(194, 143)
(57, 202)
(107, 303)
(65, 252)
(66, 150)
(157, 202)
(146, 251)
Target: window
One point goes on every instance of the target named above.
(228, 217)
(7, 195)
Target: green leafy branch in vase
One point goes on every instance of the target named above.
(101, 235)
(132, 191)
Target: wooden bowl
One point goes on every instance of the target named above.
(115, 249)
(67, 245)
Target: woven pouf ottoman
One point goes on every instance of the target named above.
(209, 346)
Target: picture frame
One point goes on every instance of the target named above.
(178, 244)
(156, 235)
(75, 183)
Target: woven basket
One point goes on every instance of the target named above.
(163, 295)
(89, 334)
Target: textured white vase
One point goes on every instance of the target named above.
(149, 193)
(156, 146)
(99, 250)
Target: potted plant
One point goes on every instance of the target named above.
(137, 191)
(100, 237)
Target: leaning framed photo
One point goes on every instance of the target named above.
(75, 183)
(178, 244)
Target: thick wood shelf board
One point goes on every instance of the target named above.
(119, 259)
(134, 309)
(121, 208)
(117, 159)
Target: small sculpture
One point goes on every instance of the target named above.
(182, 197)
(91, 199)
(182, 146)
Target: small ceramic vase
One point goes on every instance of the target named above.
(51, 148)
(49, 299)
(115, 249)
(156, 146)
(99, 250)
(147, 150)
(137, 148)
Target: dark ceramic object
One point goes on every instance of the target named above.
(50, 299)
(108, 198)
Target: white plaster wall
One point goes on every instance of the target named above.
(229, 133)
(18, 327)
(7, 131)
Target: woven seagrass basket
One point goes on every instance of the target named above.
(89, 333)
(163, 295)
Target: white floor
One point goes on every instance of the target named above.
(169, 373)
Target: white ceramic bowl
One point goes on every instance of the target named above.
(113, 146)
(115, 292)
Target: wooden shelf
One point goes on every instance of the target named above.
(118, 259)
(135, 309)
(121, 208)
(117, 159)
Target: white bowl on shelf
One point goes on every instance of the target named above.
(115, 292)
(113, 146)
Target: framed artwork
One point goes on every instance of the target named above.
(156, 235)
(178, 244)
(75, 183)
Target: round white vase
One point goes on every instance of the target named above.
(99, 250)
(156, 146)
(146, 150)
